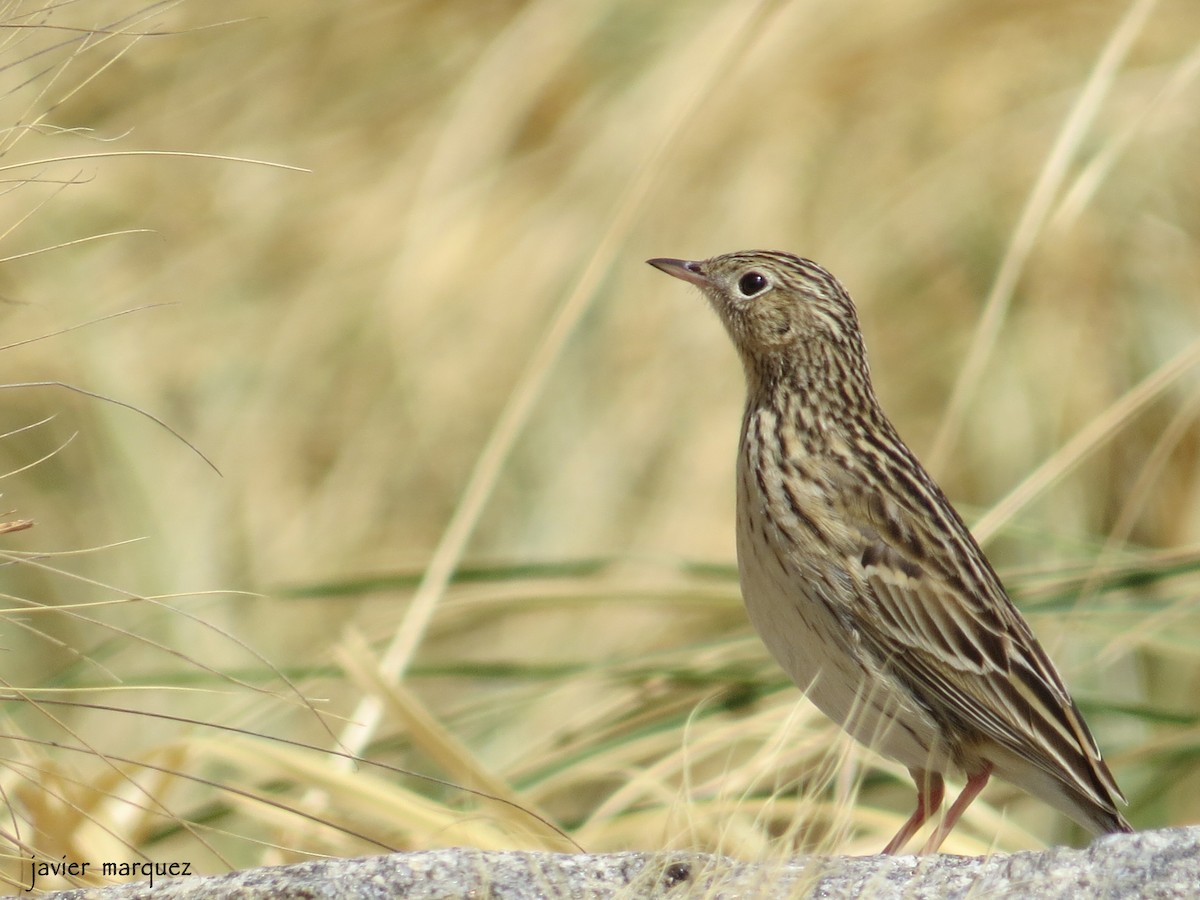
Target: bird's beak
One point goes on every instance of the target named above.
(692, 272)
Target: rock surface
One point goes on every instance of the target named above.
(1155, 864)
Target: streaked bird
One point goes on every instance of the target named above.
(861, 578)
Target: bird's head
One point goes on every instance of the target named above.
(787, 316)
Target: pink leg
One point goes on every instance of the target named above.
(930, 790)
(974, 785)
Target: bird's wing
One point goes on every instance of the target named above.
(950, 633)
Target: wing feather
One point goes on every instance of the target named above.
(972, 660)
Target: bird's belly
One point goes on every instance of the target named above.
(782, 591)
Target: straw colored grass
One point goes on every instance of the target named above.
(463, 430)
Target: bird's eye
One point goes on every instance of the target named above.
(752, 283)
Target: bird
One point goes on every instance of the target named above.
(862, 579)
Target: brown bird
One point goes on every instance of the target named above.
(861, 578)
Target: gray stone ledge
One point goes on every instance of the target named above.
(1153, 864)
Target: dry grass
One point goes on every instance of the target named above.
(441, 343)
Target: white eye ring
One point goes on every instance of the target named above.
(753, 282)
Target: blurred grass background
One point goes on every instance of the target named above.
(343, 343)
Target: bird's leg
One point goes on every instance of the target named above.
(974, 785)
(930, 790)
